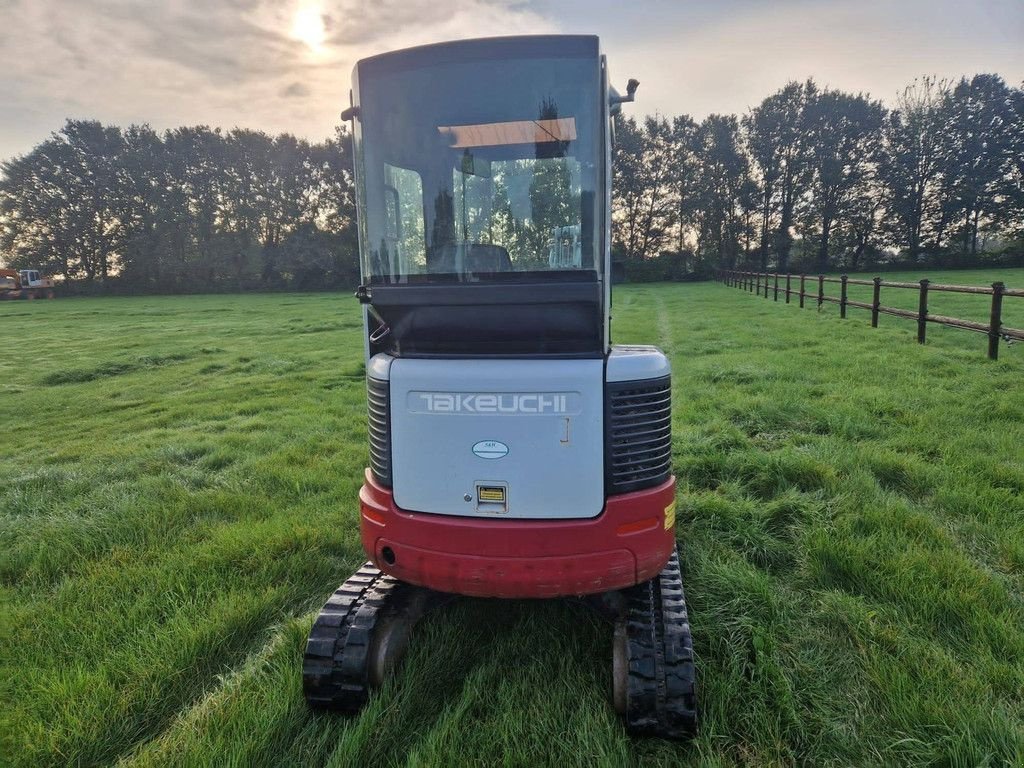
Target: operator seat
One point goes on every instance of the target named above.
(476, 258)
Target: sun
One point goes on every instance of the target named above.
(308, 27)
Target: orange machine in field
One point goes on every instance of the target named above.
(25, 284)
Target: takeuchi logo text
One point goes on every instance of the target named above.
(459, 402)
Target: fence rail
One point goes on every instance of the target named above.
(765, 283)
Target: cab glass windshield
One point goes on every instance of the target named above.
(482, 170)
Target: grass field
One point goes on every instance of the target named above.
(178, 480)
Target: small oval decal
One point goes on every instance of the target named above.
(490, 449)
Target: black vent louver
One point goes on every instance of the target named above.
(379, 413)
(638, 437)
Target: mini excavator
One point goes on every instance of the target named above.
(514, 451)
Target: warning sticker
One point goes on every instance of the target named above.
(670, 515)
(490, 493)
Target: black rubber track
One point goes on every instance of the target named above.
(661, 695)
(335, 672)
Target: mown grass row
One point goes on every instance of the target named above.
(179, 496)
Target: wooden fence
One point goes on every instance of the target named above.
(768, 283)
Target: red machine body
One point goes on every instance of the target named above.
(629, 542)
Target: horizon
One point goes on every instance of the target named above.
(287, 69)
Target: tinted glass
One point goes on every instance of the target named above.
(482, 170)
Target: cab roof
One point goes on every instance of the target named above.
(481, 49)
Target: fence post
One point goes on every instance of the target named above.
(821, 291)
(766, 285)
(922, 312)
(803, 279)
(995, 320)
(776, 295)
(876, 301)
(788, 276)
(842, 297)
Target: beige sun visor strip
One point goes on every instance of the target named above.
(514, 132)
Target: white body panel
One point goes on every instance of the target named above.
(533, 427)
(636, 362)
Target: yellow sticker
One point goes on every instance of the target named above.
(670, 515)
(491, 494)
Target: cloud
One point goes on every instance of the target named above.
(356, 23)
(235, 62)
(697, 62)
(295, 90)
(230, 62)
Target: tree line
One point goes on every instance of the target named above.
(810, 179)
(191, 209)
(817, 179)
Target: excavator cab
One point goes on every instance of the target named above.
(469, 155)
(25, 284)
(515, 452)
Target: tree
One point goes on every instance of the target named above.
(1015, 180)
(684, 165)
(627, 185)
(912, 161)
(775, 140)
(35, 202)
(724, 189)
(198, 177)
(192, 209)
(644, 184)
(978, 145)
(843, 139)
(146, 209)
(61, 202)
(822, 175)
(775, 136)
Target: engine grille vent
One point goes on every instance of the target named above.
(378, 411)
(638, 439)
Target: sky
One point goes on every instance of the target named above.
(286, 65)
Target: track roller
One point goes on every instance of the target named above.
(654, 681)
(359, 636)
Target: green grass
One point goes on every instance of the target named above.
(178, 482)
